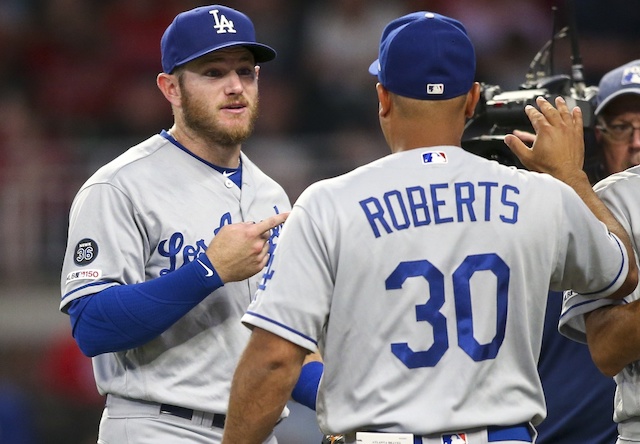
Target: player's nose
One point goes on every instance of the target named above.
(635, 138)
(233, 83)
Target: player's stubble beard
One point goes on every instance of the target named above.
(197, 117)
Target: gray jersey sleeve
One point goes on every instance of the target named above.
(593, 261)
(621, 193)
(89, 234)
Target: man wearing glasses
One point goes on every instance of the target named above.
(588, 415)
(617, 129)
(610, 328)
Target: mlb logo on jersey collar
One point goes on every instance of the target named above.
(434, 157)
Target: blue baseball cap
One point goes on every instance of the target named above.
(425, 56)
(622, 80)
(205, 29)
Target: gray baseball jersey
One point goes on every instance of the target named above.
(422, 278)
(145, 214)
(621, 193)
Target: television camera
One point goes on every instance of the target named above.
(500, 112)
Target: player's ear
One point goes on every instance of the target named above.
(597, 133)
(170, 88)
(384, 100)
(472, 100)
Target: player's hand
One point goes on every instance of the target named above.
(558, 147)
(240, 250)
(527, 137)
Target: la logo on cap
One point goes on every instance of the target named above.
(223, 25)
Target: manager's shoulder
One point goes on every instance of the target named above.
(542, 182)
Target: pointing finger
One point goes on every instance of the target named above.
(271, 222)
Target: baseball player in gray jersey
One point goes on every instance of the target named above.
(167, 243)
(422, 277)
(579, 402)
(610, 328)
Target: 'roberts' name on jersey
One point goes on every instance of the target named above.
(441, 203)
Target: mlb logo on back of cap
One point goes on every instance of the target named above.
(435, 88)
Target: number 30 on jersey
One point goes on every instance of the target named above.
(430, 311)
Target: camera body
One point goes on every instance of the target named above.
(498, 113)
(506, 109)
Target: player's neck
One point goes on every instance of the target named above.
(404, 132)
(222, 156)
(408, 140)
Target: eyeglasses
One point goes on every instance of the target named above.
(620, 132)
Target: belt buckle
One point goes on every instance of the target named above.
(174, 410)
(218, 421)
(333, 439)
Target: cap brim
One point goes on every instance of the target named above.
(261, 53)
(619, 93)
(374, 68)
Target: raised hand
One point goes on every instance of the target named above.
(558, 148)
(240, 250)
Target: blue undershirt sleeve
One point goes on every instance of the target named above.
(306, 389)
(127, 316)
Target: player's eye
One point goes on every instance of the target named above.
(620, 129)
(620, 132)
(214, 73)
(246, 72)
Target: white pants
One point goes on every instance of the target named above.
(133, 422)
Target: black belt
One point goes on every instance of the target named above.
(182, 412)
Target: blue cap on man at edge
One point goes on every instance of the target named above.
(624, 79)
(425, 56)
(205, 29)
